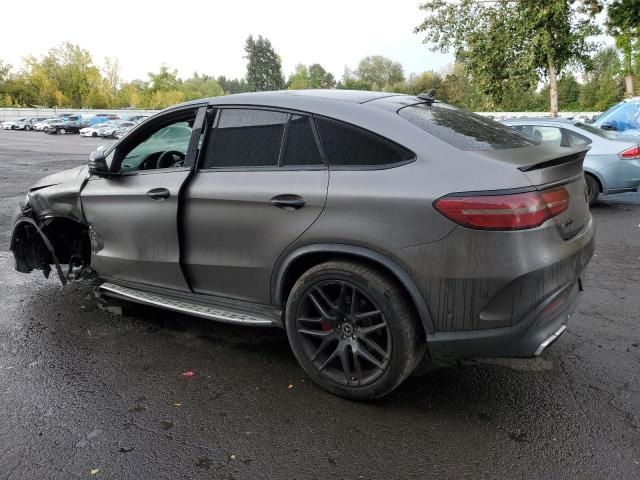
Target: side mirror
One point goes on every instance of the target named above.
(608, 126)
(98, 164)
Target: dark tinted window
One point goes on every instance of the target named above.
(301, 147)
(463, 130)
(346, 145)
(246, 138)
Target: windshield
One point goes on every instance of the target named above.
(624, 116)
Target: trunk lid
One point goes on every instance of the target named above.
(547, 166)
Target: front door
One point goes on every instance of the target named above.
(133, 215)
(260, 184)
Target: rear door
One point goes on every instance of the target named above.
(260, 184)
(134, 215)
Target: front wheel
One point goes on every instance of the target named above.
(352, 330)
(62, 131)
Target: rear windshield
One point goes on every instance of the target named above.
(596, 131)
(464, 130)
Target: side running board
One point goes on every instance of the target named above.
(226, 313)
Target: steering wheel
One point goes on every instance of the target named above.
(168, 159)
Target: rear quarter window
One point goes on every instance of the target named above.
(463, 130)
(348, 146)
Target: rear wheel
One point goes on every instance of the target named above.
(352, 330)
(62, 131)
(27, 127)
(593, 188)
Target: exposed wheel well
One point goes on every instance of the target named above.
(305, 262)
(54, 241)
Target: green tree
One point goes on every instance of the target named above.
(569, 93)
(299, 79)
(320, 78)
(233, 85)
(5, 70)
(513, 44)
(623, 23)
(351, 82)
(264, 67)
(164, 80)
(602, 86)
(71, 68)
(200, 86)
(111, 71)
(379, 72)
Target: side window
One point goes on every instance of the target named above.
(164, 147)
(525, 129)
(547, 134)
(576, 139)
(300, 147)
(246, 138)
(345, 145)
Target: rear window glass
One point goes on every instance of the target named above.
(463, 130)
(345, 145)
(301, 147)
(246, 138)
(596, 131)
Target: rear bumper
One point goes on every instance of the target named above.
(528, 338)
(499, 294)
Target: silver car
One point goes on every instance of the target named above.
(373, 227)
(612, 164)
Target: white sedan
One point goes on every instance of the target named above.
(112, 128)
(40, 125)
(8, 125)
(94, 130)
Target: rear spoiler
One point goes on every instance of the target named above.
(543, 164)
(553, 162)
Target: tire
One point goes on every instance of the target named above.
(357, 358)
(94, 134)
(27, 127)
(593, 188)
(62, 131)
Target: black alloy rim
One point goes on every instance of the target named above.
(344, 333)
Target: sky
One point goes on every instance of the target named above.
(208, 36)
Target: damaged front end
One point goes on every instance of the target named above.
(49, 230)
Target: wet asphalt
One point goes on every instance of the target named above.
(86, 393)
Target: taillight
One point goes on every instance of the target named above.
(630, 153)
(517, 211)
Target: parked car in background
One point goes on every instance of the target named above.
(373, 227)
(8, 124)
(612, 164)
(136, 118)
(110, 129)
(39, 126)
(27, 124)
(623, 118)
(101, 118)
(65, 125)
(92, 131)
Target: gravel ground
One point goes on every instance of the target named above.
(83, 390)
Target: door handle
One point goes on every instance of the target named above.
(288, 202)
(158, 194)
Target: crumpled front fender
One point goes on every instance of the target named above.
(31, 247)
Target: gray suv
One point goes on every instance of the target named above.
(374, 227)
